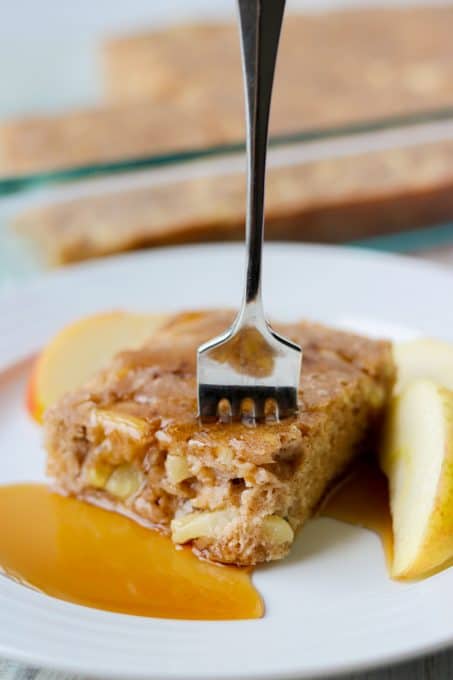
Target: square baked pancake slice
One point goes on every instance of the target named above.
(130, 441)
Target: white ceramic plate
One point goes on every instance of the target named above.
(330, 607)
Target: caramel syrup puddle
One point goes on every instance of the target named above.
(77, 552)
(80, 553)
(362, 499)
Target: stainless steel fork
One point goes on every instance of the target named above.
(251, 372)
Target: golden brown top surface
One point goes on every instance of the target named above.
(158, 383)
(397, 69)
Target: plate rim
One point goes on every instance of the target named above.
(39, 278)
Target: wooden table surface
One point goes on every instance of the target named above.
(435, 667)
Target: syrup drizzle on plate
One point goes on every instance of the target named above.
(80, 553)
(77, 552)
(362, 499)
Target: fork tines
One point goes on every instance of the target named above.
(246, 403)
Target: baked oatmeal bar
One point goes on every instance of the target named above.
(130, 441)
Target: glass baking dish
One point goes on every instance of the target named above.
(390, 189)
(86, 67)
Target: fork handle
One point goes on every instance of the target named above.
(260, 23)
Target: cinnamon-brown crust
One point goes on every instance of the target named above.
(270, 470)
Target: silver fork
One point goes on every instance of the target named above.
(251, 372)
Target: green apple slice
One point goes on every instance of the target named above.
(424, 358)
(417, 457)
